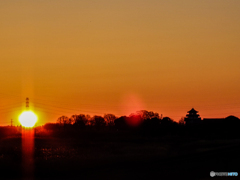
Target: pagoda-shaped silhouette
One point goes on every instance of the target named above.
(192, 117)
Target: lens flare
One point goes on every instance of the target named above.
(28, 119)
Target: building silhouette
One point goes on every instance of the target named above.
(192, 118)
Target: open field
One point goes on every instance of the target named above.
(121, 156)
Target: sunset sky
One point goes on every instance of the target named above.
(119, 56)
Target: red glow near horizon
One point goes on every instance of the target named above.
(134, 120)
(28, 152)
(132, 103)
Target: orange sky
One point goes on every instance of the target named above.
(95, 57)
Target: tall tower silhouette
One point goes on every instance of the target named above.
(192, 117)
(27, 103)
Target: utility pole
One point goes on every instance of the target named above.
(27, 103)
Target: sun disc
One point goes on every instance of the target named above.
(28, 119)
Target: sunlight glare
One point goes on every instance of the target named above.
(28, 119)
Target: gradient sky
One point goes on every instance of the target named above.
(119, 56)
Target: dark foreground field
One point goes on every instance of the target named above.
(121, 156)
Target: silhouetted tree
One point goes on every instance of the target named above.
(88, 119)
(232, 120)
(150, 126)
(231, 127)
(120, 123)
(168, 126)
(147, 114)
(109, 118)
(73, 118)
(166, 121)
(181, 121)
(98, 121)
(63, 120)
(80, 120)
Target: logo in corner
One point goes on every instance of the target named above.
(212, 174)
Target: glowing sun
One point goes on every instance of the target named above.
(28, 119)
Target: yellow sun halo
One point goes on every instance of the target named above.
(28, 119)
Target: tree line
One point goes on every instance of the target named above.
(133, 120)
(146, 123)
